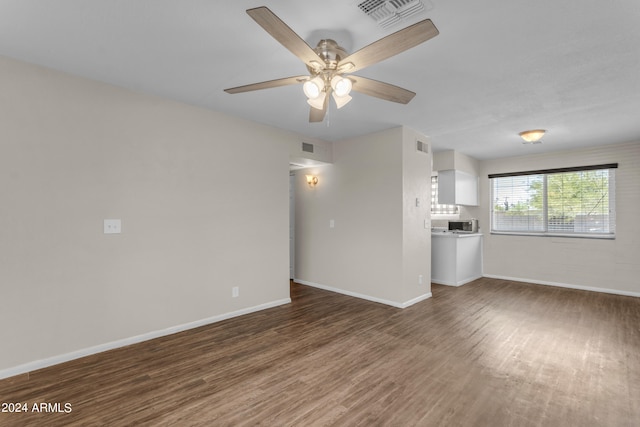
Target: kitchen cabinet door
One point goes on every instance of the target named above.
(457, 188)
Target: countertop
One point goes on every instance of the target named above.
(453, 234)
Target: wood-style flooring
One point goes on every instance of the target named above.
(489, 353)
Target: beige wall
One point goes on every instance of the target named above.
(608, 265)
(322, 151)
(366, 253)
(203, 200)
(416, 227)
(196, 221)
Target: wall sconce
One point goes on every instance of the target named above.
(312, 180)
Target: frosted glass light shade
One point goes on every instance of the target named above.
(341, 101)
(532, 135)
(313, 88)
(341, 85)
(318, 102)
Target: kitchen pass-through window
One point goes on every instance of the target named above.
(438, 209)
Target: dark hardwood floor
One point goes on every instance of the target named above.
(490, 353)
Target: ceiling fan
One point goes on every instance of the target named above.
(328, 64)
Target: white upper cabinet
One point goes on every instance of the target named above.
(457, 188)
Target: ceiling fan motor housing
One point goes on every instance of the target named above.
(330, 53)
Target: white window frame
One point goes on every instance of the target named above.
(610, 234)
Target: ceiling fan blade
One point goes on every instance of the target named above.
(390, 45)
(315, 115)
(381, 90)
(268, 84)
(285, 35)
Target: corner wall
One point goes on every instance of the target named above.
(367, 253)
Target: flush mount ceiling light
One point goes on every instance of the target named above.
(533, 136)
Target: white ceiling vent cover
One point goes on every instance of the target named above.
(389, 12)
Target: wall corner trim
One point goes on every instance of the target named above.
(365, 297)
(55, 360)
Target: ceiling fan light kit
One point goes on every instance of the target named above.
(328, 63)
(316, 90)
(341, 101)
(318, 101)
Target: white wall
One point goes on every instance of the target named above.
(606, 265)
(366, 253)
(203, 200)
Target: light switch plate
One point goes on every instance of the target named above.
(112, 226)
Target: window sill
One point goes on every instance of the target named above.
(574, 235)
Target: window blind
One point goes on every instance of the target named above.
(569, 201)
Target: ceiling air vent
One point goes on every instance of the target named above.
(389, 12)
(306, 147)
(422, 147)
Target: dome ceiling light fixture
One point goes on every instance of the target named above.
(533, 136)
(329, 63)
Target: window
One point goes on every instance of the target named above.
(437, 209)
(571, 202)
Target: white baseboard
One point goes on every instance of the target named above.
(365, 297)
(55, 360)
(460, 283)
(565, 285)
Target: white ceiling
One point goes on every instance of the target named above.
(496, 68)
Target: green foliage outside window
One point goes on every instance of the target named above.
(555, 202)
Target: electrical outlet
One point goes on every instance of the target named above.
(112, 226)
(420, 279)
(235, 291)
